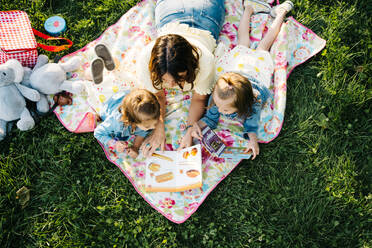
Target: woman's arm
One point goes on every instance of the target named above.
(196, 111)
(157, 137)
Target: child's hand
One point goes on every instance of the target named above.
(196, 131)
(253, 145)
(121, 146)
(132, 152)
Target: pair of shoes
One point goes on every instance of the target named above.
(257, 5)
(287, 5)
(104, 60)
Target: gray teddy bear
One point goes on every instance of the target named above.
(12, 94)
(50, 78)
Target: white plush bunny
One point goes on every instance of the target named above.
(50, 78)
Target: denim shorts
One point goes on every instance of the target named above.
(202, 14)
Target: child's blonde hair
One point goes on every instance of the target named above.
(138, 106)
(239, 87)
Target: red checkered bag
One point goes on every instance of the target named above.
(17, 39)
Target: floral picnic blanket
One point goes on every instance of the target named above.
(295, 44)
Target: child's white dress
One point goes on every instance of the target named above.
(256, 65)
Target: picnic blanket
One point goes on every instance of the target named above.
(294, 45)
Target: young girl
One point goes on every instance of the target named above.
(126, 114)
(246, 76)
(181, 57)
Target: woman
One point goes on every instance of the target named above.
(182, 56)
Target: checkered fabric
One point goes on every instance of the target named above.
(17, 40)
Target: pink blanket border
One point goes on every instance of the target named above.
(156, 208)
(132, 182)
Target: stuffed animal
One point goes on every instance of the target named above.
(12, 94)
(50, 78)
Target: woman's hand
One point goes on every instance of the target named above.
(154, 141)
(186, 141)
(196, 131)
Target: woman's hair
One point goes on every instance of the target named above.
(173, 54)
(138, 106)
(239, 87)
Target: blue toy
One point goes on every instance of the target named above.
(55, 25)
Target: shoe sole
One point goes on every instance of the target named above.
(264, 4)
(273, 13)
(103, 52)
(97, 70)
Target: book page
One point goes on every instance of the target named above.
(173, 171)
(189, 167)
(160, 171)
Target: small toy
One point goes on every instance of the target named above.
(55, 25)
(212, 142)
(12, 94)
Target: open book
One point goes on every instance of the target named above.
(173, 171)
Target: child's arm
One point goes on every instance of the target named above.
(250, 130)
(253, 145)
(133, 150)
(251, 123)
(104, 131)
(211, 117)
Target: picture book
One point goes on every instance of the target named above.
(212, 142)
(174, 171)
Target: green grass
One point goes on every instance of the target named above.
(311, 187)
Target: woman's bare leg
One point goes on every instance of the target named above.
(243, 30)
(273, 31)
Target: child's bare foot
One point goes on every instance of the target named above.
(282, 9)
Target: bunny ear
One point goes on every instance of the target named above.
(16, 66)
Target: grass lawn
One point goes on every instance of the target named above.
(310, 187)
